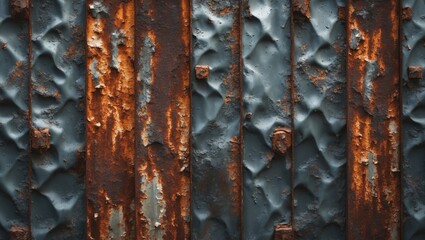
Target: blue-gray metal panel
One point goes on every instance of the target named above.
(266, 50)
(57, 102)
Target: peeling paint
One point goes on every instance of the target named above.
(355, 39)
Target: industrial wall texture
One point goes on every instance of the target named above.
(212, 119)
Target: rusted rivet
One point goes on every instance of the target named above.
(3, 45)
(202, 71)
(18, 233)
(283, 232)
(406, 13)
(342, 13)
(19, 8)
(281, 140)
(415, 72)
(40, 139)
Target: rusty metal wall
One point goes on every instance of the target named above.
(207, 119)
(267, 122)
(319, 118)
(413, 94)
(14, 124)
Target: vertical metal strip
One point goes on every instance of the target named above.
(216, 153)
(110, 115)
(58, 119)
(14, 120)
(267, 117)
(373, 204)
(413, 92)
(162, 119)
(319, 119)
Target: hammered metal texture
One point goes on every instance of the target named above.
(14, 125)
(266, 54)
(57, 104)
(319, 120)
(413, 92)
(216, 158)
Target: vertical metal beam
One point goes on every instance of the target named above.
(267, 155)
(110, 115)
(58, 119)
(319, 119)
(216, 100)
(413, 94)
(162, 119)
(373, 204)
(14, 120)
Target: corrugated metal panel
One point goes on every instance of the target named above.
(373, 120)
(163, 119)
(216, 161)
(14, 124)
(110, 120)
(319, 119)
(58, 119)
(413, 91)
(267, 120)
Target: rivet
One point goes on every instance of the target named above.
(202, 71)
(415, 72)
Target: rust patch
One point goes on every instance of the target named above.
(415, 72)
(373, 121)
(163, 119)
(19, 233)
(19, 8)
(342, 13)
(303, 7)
(406, 14)
(110, 120)
(283, 232)
(281, 140)
(202, 71)
(40, 139)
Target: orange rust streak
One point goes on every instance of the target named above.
(373, 122)
(110, 116)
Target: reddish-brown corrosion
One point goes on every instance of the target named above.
(110, 119)
(373, 206)
(19, 8)
(19, 233)
(406, 13)
(202, 71)
(281, 140)
(163, 119)
(302, 6)
(415, 72)
(40, 139)
(283, 232)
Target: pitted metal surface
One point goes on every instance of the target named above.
(57, 104)
(216, 158)
(319, 119)
(267, 122)
(413, 94)
(14, 125)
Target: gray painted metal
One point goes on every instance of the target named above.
(319, 121)
(216, 121)
(413, 95)
(57, 103)
(266, 50)
(14, 141)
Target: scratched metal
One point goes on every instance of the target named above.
(373, 120)
(216, 157)
(413, 92)
(162, 119)
(57, 104)
(266, 107)
(110, 119)
(14, 125)
(319, 119)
